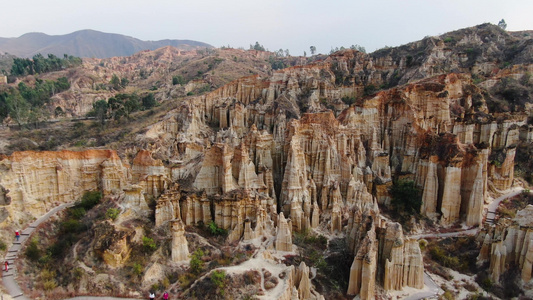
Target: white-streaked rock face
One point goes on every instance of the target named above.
(510, 244)
(263, 145)
(180, 248)
(284, 234)
(39, 181)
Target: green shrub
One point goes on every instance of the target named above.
(369, 89)
(3, 246)
(49, 285)
(48, 275)
(165, 283)
(448, 295)
(77, 212)
(149, 101)
(317, 240)
(438, 254)
(178, 80)
(112, 213)
(78, 273)
(90, 199)
(43, 260)
(486, 284)
(80, 143)
(32, 251)
(215, 230)
(149, 244)
(505, 212)
(197, 264)
(448, 39)
(71, 226)
(218, 278)
(348, 100)
(137, 269)
(406, 197)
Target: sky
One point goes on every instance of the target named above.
(276, 24)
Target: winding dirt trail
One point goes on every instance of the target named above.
(9, 278)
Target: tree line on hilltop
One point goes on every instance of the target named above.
(40, 64)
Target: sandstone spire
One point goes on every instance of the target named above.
(180, 248)
(284, 235)
(431, 189)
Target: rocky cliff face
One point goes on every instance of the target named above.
(421, 128)
(510, 245)
(35, 182)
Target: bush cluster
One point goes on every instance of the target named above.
(215, 230)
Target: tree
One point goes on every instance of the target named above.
(149, 101)
(116, 107)
(196, 264)
(115, 82)
(41, 64)
(257, 47)
(58, 112)
(19, 108)
(178, 80)
(287, 54)
(4, 107)
(406, 197)
(502, 24)
(36, 116)
(358, 48)
(100, 111)
(131, 105)
(313, 50)
(305, 54)
(124, 82)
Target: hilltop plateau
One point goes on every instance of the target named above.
(225, 173)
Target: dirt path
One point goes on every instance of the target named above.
(9, 278)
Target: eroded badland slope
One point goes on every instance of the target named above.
(277, 185)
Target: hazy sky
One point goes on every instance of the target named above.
(287, 24)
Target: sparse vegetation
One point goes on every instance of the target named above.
(32, 251)
(348, 100)
(89, 200)
(178, 80)
(26, 104)
(149, 244)
(458, 254)
(509, 207)
(197, 264)
(112, 213)
(215, 230)
(218, 278)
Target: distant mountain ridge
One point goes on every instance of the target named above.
(87, 43)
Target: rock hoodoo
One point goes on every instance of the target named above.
(314, 148)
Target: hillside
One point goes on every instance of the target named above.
(87, 43)
(233, 179)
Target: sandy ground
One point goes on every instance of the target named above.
(269, 260)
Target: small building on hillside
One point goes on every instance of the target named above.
(3, 79)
